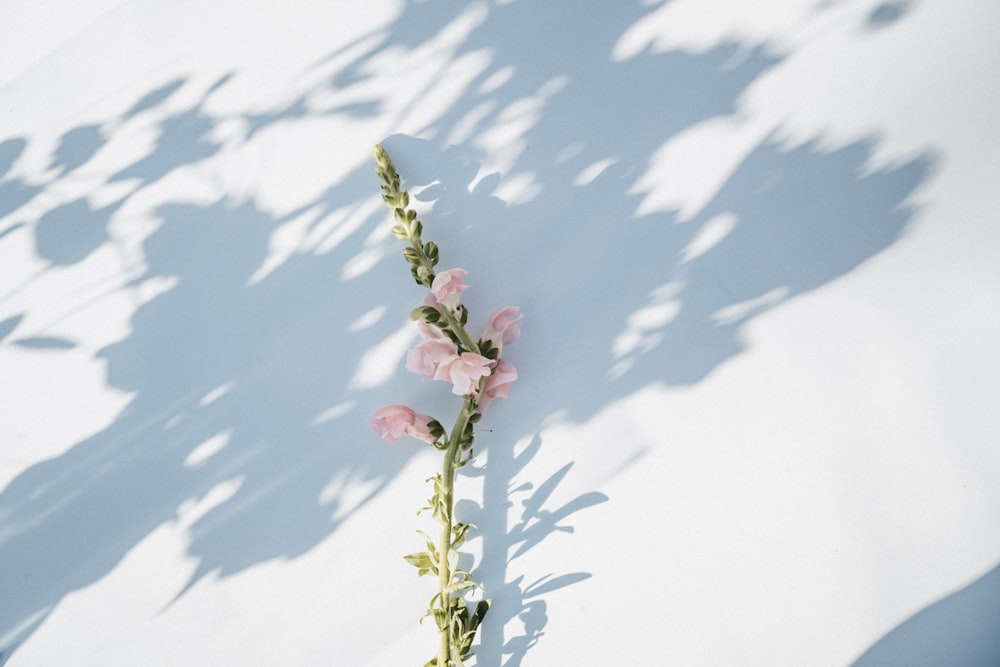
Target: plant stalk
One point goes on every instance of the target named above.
(447, 523)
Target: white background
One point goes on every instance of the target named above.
(756, 249)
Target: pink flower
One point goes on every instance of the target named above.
(502, 327)
(464, 372)
(395, 421)
(497, 385)
(430, 355)
(448, 286)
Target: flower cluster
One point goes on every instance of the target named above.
(440, 355)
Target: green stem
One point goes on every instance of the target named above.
(460, 331)
(447, 522)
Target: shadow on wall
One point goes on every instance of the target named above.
(961, 629)
(248, 388)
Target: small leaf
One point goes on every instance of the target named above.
(460, 531)
(440, 618)
(431, 548)
(460, 586)
(420, 560)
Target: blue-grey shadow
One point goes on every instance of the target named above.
(888, 13)
(962, 629)
(14, 192)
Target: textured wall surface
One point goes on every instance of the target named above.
(756, 249)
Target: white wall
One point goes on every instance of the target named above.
(756, 420)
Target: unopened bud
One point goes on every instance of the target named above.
(381, 157)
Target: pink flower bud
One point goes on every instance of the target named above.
(448, 286)
(395, 421)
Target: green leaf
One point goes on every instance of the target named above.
(459, 531)
(431, 548)
(481, 609)
(440, 618)
(420, 560)
(460, 586)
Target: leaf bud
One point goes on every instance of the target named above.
(424, 274)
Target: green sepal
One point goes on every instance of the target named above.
(425, 313)
(436, 429)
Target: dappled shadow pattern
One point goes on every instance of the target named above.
(232, 375)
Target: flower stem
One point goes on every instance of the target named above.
(447, 524)
(460, 331)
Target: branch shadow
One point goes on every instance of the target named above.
(503, 543)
